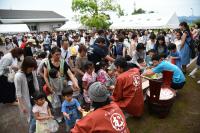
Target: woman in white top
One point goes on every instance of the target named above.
(151, 42)
(9, 44)
(8, 63)
(26, 85)
(177, 41)
(133, 45)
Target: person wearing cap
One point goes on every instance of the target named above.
(107, 117)
(128, 92)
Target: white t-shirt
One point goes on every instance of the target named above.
(41, 109)
(63, 54)
(178, 44)
(150, 45)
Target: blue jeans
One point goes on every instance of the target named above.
(32, 124)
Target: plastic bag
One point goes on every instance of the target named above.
(55, 101)
(53, 126)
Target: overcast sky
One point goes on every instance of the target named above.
(63, 7)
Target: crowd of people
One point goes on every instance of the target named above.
(63, 75)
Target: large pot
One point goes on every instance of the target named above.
(162, 106)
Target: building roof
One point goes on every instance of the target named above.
(28, 14)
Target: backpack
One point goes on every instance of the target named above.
(119, 48)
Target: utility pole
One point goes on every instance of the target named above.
(134, 5)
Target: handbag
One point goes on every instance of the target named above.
(52, 125)
(56, 103)
(46, 90)
(11, 75)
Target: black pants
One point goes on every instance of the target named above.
(7, 90)
(177, 86)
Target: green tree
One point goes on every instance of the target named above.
(139, 11)
(93, 12)
(120, 11)
(197, 22)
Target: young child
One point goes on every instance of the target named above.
(110, 83)
(102, 75)
(57, 83)
(88, 78)
(70, 108)
(142, 64)
(42, 113)
(174, 55)
(148, 60)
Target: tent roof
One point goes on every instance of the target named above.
(71, 25)
(6, 28)
(146, 21)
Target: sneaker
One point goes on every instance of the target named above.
(198, 82)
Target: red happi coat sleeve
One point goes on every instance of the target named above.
(118, 91)
(85, 125)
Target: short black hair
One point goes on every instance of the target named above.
(87, 65)
(140, 46)
(128, 57)
(134, 35)
(100, 32)
(152, 36)
(121, 38)
(67, 91)
(42, 55)
(171, 46)
(38, 95)
(156, 57)
(140, 60)
(101, 40)
(1, 54)
(53, 73)
(100, 65)
(151, 51)
(112, 40)
(121, 62)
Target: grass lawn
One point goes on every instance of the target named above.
(184, 116)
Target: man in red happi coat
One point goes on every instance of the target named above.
(128, 92)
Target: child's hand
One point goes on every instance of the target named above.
(112, 87)
(51, 117)
(67, 116)
(81, 110)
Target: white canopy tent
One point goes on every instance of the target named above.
(146, 21)
(71, 25)
(8, 28)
